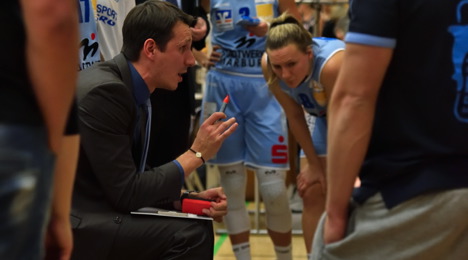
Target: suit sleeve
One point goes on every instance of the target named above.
(106, 118)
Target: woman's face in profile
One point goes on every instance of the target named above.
(290, 64)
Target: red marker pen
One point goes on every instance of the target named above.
(224, 105)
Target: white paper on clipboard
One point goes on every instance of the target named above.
(150, 211)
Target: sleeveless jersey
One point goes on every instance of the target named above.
(89, 51)
(310, 93)
(241, 52)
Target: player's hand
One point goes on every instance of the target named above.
(308, 177)
(215, 56)
(258, 30)
(199, 30)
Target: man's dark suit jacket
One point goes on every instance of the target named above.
(107, 186)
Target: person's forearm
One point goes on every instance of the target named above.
(350, 121)
(350, 117)
(64, 176)
(189, 162)
(52, 58)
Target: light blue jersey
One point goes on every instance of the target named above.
(261, 138)
(241, 52)
(310, 93)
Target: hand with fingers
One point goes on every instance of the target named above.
(215, 56)
(218, 207)
(258, 30)
(212, 134)
(199, 30)
(310, 176)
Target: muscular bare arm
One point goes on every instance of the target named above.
(52, 59)
(350, 117)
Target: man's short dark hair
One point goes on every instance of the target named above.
(152, 19)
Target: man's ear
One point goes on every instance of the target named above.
(309, 52)
(150, 48)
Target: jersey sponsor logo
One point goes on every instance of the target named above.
(89, 51)
(279, 152)
(89, 46)
(242, 58)
(224, 20)
(106, 15)
(243, 41)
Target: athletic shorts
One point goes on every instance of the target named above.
(429, 226)
(261, 138)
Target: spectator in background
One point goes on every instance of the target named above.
(307, 12)
(330, 16)
(36, 93)
(341, 27)
(404, 132)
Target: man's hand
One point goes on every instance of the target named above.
(335, 229)
(218, 207)
(212, 134)
(199, 30)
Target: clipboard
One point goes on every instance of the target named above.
(150, 211)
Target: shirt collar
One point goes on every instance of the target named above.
(140, 89)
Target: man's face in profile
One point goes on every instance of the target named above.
(176, 58)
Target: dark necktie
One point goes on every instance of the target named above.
(145, 122)
(174, 2)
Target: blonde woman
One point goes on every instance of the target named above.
(301, 71)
